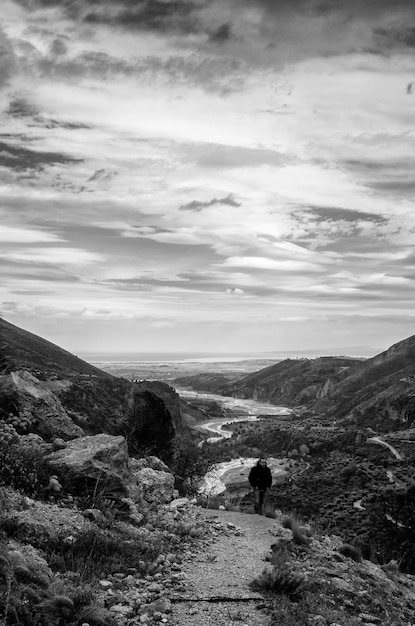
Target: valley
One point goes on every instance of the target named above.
(338, 434)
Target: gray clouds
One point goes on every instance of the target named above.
(197, 205)
(20, 158)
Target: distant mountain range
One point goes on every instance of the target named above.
(378, 392)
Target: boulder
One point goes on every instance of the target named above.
(154, 486)
(97, 465)
(152, 462)
(24, 396)
(43, 522)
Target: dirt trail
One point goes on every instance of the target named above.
(218, 579)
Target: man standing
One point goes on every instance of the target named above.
(260, 478)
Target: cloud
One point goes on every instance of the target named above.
(20, 158)
(217, 156)
(222, 34)
(14, 234)
(101, 175)
(197, 205)
(55, 256)
(403, 35)
(7, 59)
(262, 263)
(130, 14)
(20, 108)
(335, 214)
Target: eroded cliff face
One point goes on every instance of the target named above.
(155, 416)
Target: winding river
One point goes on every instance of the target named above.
(236, 470)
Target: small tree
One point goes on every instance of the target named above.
(189, 462)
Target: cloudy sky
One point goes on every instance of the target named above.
(208, 175)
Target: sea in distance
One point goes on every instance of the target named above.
(167, 366)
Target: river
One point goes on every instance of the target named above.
(236, 470)
(241, 406)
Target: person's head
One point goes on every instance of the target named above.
(262, 462)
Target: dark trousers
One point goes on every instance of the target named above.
(259, 499)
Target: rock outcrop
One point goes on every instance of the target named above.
(154, 486)
(155, 415)
(26, 398)
(99, 467)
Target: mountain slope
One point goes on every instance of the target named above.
(292, 382)
(379, 391)
(151, 412)
(20, 349)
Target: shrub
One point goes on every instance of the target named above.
(189, 463)
(23, 468)
(281, 580)
(294, 524)
(269, 510)
(351, 551)
(29, 598)
(95, 616)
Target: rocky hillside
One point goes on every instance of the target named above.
(20, 349)
(379, 392)
(290, 382)
(48, 391)
(293, 381)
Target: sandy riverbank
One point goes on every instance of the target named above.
(236, 472)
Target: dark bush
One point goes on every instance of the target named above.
(351, 551)
(24, 469)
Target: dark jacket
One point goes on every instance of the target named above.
(260, 477)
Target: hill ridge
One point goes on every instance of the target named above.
(21, 349)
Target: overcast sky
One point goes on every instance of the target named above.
(208, 175)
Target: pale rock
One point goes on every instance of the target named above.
(152, 462)
(366, 618)
(98, 460)
(317, 620)
(122, 609)
(284, 534)
(105, 584)
(163, 605)
(179, 503)
(341, 584)
(155, 486)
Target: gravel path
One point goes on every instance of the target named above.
(217, 591)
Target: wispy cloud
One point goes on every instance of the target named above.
(197, 205)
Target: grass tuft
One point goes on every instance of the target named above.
(282, 580)
(294, 524)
